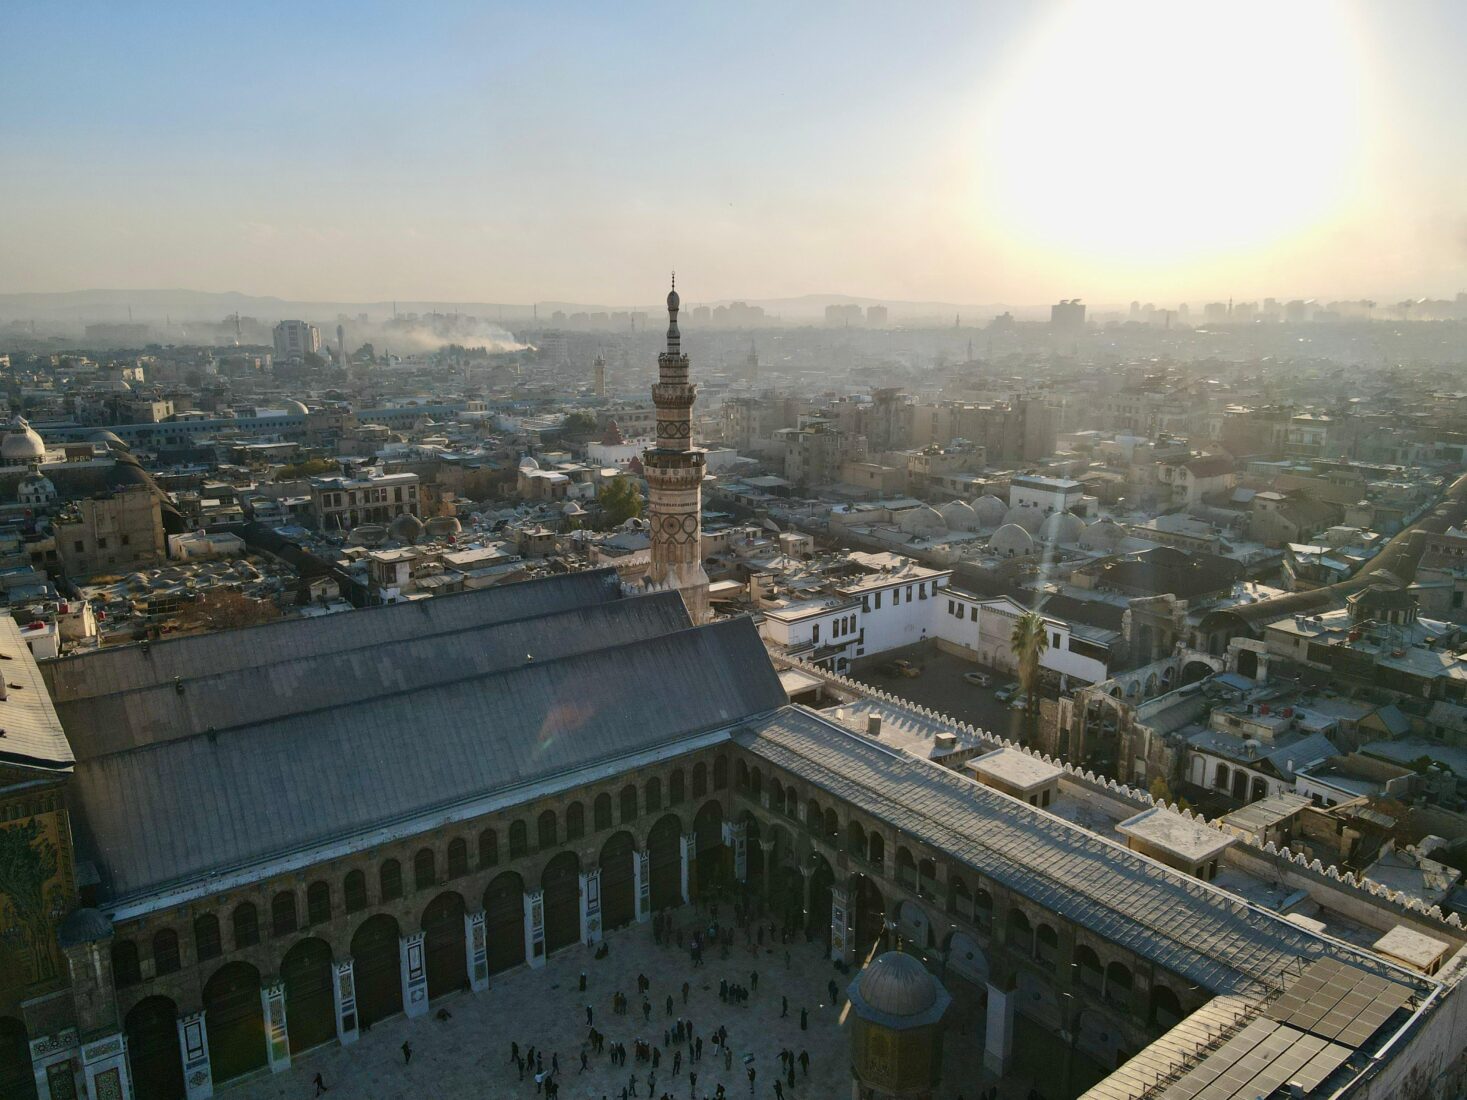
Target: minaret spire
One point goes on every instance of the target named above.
(674, 472)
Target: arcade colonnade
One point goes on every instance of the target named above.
(245, 981)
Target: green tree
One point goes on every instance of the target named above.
(1028, 642)
(27, 864)
(578, 423)
(620, 500)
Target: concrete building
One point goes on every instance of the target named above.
(294, 340)
(111, 533)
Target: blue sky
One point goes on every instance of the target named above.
(965, 152)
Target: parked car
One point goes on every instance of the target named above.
(1007, 692)
(982, 679)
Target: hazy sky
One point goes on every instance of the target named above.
(968, 152)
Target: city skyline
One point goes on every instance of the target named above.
(1009, 155)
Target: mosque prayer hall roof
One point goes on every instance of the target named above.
(377, 744)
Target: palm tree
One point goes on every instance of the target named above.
(1028, 642)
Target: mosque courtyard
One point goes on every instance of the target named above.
(467, 1055)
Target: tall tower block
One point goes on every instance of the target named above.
(674, 472)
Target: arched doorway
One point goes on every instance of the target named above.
(17, 1077)
(235, 1021)
(753, 852)
(1248, 663)
(822, 879)
(708, 828)
(665, 862)
(152, 1050)
(444, 946)
(376, 956)
(504, 921)
(618, 881)
(868, 916)
(561, 882)
(310, 1010)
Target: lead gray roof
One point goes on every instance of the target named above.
(1178, 922)
(175, 812)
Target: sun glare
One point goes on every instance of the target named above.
(1163, 132)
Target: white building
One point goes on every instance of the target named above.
(1048, 494)
(295, 340)
(984, 628)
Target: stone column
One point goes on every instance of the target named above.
(807, 874)
(642, 885)
(735, 835)
(277, 1035)
(767, 847)
(53, 1061)
(591, 906)
(476, 948)
(998, 1046)
(687, 853)
(344, 995)
(105, 1068)
(193, 1048)
(535, 928)
(842, 949)
(414, 975)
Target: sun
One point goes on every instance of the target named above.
(1154, 133)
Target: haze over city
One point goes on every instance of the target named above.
(920, 550)
(994, 153)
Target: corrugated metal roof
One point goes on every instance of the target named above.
(295, 682)
(1178, 922)
(179, 810)
(124, 668)
(31, 734)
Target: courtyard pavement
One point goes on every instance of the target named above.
(468, 1054)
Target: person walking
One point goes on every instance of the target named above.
(685, 992)
(514, 1051)
(805, 1062)
(677, 1062)
(588, 1015)
(583, 1062)
(751, 1080)
(784, 1007)
(320, 1085)
(804, 1019)
(778, 1090)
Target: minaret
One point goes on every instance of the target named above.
(598, 375)
(674, 472)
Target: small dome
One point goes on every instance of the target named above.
(529, 463)
(673, 301)
(990, 510)
(925, 520)
(1011, 541)
(898, 985)
(35, 489)
(296, 408)
(21, 443)
(959, 516)
(369, 534)
(443, 526)
(1061, 528)
(1103, 535)
(571, 508)
(406, 528)
(1027, 518)
(83, 926)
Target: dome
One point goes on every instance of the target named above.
(443, 526)
(1011, 541)
(369, 534)
(673, 301)
(925, 520)
(21, 443)
(296, 408)
(35, 489)
(1061, 527)
(1027, 518)
(1104, 534)
(406, 528)
(529, 463)
(959, 516)
(897, 984)
(990, 510)
(83, 926)
(571, 508)
(109, 438)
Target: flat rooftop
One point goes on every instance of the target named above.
(1184, 837)
(1017, 769)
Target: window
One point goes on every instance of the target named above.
(973, 614)
(601, 812)
(390, 880)
(458, 857)
(78, 546)
(519, 840)
(354, 891)
(878, 601)
(575, 821)
(318, 903)
(488, 848)
(125, 967)
(206, 937)
(424, 871)
(815, 633)
(282, 914)
(246, 926)
(1055, 643)
(546, 830)
(102, 543)
(896, 597)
